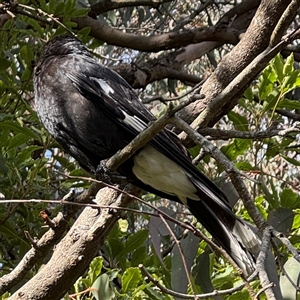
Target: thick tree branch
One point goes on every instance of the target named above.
(141, 74)
(106, 5)
(75, 251)
(46, 242)
(219, 104)
(284, 22)
(254, 42)
(154, 43)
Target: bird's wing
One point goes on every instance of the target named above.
(113, 107)
(112, 95)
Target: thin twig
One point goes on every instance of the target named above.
(262, 290)
(256, 135)
(165, 290)
(287, 243)
(234, 173)
(164, 100)
(181, 254)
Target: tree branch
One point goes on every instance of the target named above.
(106, 5)
(154, 43)
(255, 135)
(46, 242)
(254, 42)
(217, 105)
(75, 251)
(145, 136)
(260, 265)
(185, 296)
(228, 166)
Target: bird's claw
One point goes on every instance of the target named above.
(106, 175)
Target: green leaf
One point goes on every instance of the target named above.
(296, 222)
(131, 279)
(273, 148)
(289, 104)
(244, 294)
(236, 148)
(26, 74)
(290, 82)
(134, 241)
(290, 281)
(244, 166)
(271, 101)
(288, 65)
(277, 66)
(16, 127)
(194, 151)
(266, 83)
(292, 161)
(78, 172)
(224, 280)
(189, 246)
(4, 63)
(202, 272)
(123, 225)
(139, 256)
(103, 289)
(115, 246)
(240, 122)
(25, 154)
(70, 5)
(289, 199)
(17, 140)
(70, 24)
(27, 54)
(80, 12)
(59, 7)
(9, 230)
(3, 168)
(249, 94)
(281, 219)
(95, 268)
(153, 294)
(84, 34)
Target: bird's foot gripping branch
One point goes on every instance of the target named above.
(103, 173)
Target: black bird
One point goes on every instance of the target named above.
(93, 112)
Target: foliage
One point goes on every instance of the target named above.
(33, 166)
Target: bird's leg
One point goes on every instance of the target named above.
(106, 175)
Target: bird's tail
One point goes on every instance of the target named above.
(231, 233)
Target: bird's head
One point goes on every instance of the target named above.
(64, 45)
(58, 47)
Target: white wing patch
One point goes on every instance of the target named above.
(134, 122)
(104, 85)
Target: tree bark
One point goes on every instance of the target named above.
(255, 40)
(75, 251)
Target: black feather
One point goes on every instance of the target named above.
(93, 112)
